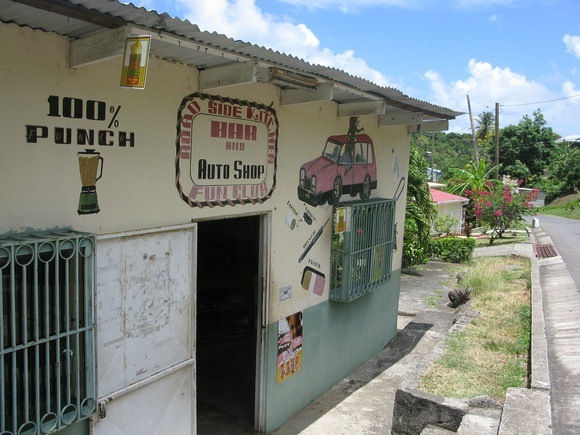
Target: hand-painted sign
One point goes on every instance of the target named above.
(226, 151)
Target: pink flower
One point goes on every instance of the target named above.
(487, 203)
(497, 213)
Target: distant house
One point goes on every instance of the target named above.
(434, 174)
(573, 139)
(449, 204)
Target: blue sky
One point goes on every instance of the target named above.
(522, 54)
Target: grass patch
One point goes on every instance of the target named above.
(491, 354)
(570, 210)
(505, 239)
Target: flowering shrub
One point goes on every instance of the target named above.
(500, 207)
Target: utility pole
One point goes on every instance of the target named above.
(496, 141)
(473, 134)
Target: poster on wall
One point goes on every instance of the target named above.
(226, 151)
(135, 61)
(289, 346)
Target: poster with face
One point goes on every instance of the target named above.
(289, 346)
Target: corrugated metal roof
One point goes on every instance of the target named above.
(440, 197)
(49, 19)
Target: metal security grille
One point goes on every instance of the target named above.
(47, 335)
(362, 247)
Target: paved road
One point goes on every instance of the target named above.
(565, 233)
(559, 279)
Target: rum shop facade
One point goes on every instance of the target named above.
(189, 225)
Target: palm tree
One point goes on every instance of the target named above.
(485, 128)
(474, 178)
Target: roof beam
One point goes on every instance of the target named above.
(361, 108)
(98, 47)
(323, 92)
(109, 47)
(401, 118)
(427, 126)
(228, 75)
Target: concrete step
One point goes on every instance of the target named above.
(479, 424)
(436, 430)
(526, 411)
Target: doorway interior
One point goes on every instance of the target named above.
(228, 295)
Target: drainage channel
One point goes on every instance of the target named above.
(545, 251)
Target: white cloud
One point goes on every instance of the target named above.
(572, 44)
(231, 17)
(487, 84)
(516, 94)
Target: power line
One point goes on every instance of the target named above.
(540, 102)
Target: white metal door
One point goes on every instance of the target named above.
(145, 328)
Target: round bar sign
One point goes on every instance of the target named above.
(226, 151)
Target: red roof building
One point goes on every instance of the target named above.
(449, 204)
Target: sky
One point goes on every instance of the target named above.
(522, 54)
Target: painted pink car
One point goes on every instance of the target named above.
(344, 167)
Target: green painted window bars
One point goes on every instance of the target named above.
(47, 332)
(363, 241)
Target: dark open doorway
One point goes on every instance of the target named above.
(228, 259)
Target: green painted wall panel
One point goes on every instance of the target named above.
(337, 338)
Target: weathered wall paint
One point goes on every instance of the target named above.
(338, 337)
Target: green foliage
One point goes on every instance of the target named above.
(523, 341)
(414, 252)
(530, 142)
(443, 224)
(471, 178)
(419, 212)
(453, 249)
(518, 171)
(485, 132)
(570, 210)
(446, 149)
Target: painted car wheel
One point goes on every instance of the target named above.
(365, 192)
(336, 190)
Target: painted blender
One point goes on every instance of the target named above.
(89, 168)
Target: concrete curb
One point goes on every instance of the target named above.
(528, 410)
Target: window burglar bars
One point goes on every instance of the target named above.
(361, 256)
(47, 336)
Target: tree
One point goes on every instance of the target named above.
(530, 142)
(485, 126)
(485, 130)
(518, 171)
(565, 166)
(474, 178)
(419, 213)
(499, 208)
